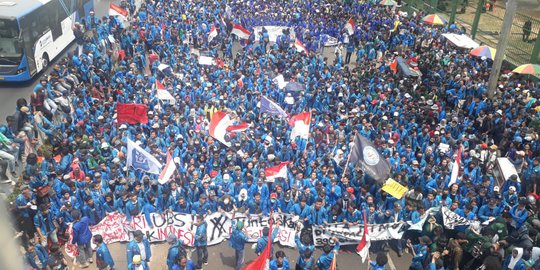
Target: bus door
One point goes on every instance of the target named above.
(55, 22)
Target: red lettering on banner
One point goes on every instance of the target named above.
(139, 223)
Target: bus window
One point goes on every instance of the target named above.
(10, 49)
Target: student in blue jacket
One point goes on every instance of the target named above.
(104, 259)
(82, 237)
(305, 260)
(380, 261)
(325, 260)
(237, 241)
(201, 243)
(184, 264)
(36, 256)
(138, 264)
(280, 262)
(133, 248)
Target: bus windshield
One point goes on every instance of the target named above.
(10, 47)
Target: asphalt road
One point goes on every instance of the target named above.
(222, 257)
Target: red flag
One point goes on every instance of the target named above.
(131, 113)
(238, 128)
(363, 247)
(213, 33)
(349, 26)
(163, 29)
(159, 86)
(263, 261)
(300, 46)
(115, 10)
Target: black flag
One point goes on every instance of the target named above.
(370, 160)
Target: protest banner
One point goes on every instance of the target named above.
(394, 188)
(351, 235)
(451, 219)
(115, 228)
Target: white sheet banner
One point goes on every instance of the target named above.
(115, 228)
(451, 219)
(273, 32)
(351, 235)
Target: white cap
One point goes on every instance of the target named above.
(123, 126)
(226, 176)
(271, 157)
(396, 114)
(100, 117)
(176, 160)
(104, 145)
(385, 118)
(510, 188)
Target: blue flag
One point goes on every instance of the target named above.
(139, 159)
(268, 106)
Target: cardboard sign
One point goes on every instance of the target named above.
(394, 188)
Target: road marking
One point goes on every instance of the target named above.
(390, 262)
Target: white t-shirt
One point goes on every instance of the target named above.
(143, 251)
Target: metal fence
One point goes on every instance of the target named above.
(521, 43)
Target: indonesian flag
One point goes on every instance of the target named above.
(349, 26)
(222, 20)
(300, 124)
(218, 126)
(455, 168)
(299, 46)
(240, 82)
(263, 261)
(238, 128)
(115, 10)
(168, 170)
(163, 29)
(160, 86)
(363, 247)
(277, 171)
(212, 34)
(240, 31)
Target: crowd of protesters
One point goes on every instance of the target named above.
(71, 152)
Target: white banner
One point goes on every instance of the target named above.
(351, 235)
(273, 32)
(115, 228)
(451, 219)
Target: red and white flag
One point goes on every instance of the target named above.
(349, 26)
(168, 170)
(160, 86)
(222, 20)
(240, 31)
(240, 82)
(300, 124)
(263, 261)
(218, 126)
(455, 168)
(277, 171)
(115, 10)
(333, 266)
(212, 34)
(299, 46)
(163, 30)
(363, 247)
(238, 128)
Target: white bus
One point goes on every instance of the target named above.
(33, 32)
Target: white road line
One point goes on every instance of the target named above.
(390, 262)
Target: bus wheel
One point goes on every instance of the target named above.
(45, 60)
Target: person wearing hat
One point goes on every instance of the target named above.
(201, 244)
(237, 241)
(104, 260)
(139, 246)
(510, 198)
(514, 261)
(137, 263)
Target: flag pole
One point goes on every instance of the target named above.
(348, 159)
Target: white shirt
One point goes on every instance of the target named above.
(143, 251)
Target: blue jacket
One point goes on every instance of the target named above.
(81, 232)
(44, 222)
(189, 266)
(133, 249)
(274, 265)
(237, 239)
(263, 241)
(317, 217)
(172, 254)
(302, 262)
(200, 235)
(103, 254)
(325, 260)
(41, 254)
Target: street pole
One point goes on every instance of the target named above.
(511, 7)
(535, 55)
(454, 11)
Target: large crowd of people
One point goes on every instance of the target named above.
(66, 153)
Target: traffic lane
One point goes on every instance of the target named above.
(222, 257)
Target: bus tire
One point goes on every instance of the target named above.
(45, 60)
